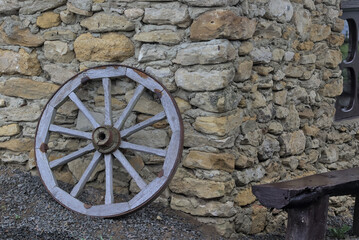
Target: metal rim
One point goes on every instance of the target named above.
(172, 154)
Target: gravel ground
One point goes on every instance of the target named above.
(27, 211)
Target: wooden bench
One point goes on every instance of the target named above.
(306, 201)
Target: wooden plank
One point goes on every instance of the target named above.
(131, 104)
(175, 149)
(106, 83)
(140, 148)
(138, 179)
(109, 179)
(61, 95)
(72, 156)
(76, 191)
(84, 109)
(106, 72)
(129, 131)
(71, 132)
(143, 79)
(67, 200)
(108, 210)
(42, 133)
(44, 169)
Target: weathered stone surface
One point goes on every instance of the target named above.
(107, 22)
(9, 7)
(164, 76)
(183, 105)
(134, 13)
(219, 161)
(292, 121)
(18, 144)
(109, 47)
(58, 73)
(259, 215)
(219, 101)
(48, 20)
(61, 35)
(244, 70)
(291, 162)
(203, 79)
(58, 51)
(78, 167)
(303, 22)
(40, 6)
(160, 36)
(28, 113)
(259, 100)
(154, 52)
(268, 148)
(333, 89)
(280, 97)
(275, 128)
(115, 103)
(145, 104)
(292, 143)
(196, 207)
(281, 10)
(330, 154)
(248, 175)
(210, 3)
(80, 7)
(245, 197)
(26, 88)
(10, 130)
(212, 52)
(261, 55)
(222, 24)
(152, 138)
(319, 32)
(13, 33)
(329, 58)
(219, 126)
(225, 227)
(19, 62)
(245, 48)
(178, 15)
(67, 17)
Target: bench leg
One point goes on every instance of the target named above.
(356, 217)
(308, 222)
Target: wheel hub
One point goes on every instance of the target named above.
(106, 139)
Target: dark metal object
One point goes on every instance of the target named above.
(106, 139)
(307, 198)
(44, 147)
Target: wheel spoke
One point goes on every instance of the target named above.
(138, 179)
(72, 156)
(140, 148)
(106, 82)
(131, 104)
(83, 109)
(129, 131)
(86, 175)
(109, 179)
(71, 132)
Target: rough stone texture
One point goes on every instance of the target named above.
(222, 24)
(19, 62)
(48, 20)
(13, 34)
(26, 88)
(220, 161)
(80, 7)
(167, 37)
(109, 47)
(9, 7)
(134, 13)
(281, 10)
(10, 130)
(78, 166)
(67, 17)
(210, 3)
(145, 104)
(103, 22)
(40, 6)
(18, 144)
(57, 51)
(246, 176)
(61, 35)
(292, 143)
(178, 15)
(245, 197)
(59, 74)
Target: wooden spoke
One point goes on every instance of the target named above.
(109, 179)
(86, 175)
(71, 132)
(72, 156)
(140, 148)
(106, 82)
(131, 104)
(139, 181)
(83, 109)
(129, 131)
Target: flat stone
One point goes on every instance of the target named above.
(61, 35)
(210, 3)
(19, 63)
(210, 161)
(154, 52)
(248, 175)
(329, 58)
(212, 52)
(115, 103)
(28, 113)
(197, 208)
(109, 47)
(292, 143)
(164, 76)
(13, 34)
(245, 197)
(173, 16)
(40, 6)
(156, 138)
(58, 73)
(48, 20)
(280, 97)
(58, 51)
(219, 126)
(144, 104)
(261, 55)
(26, 88)
(222, 24)
(275, 128)
(18, 145)
(167, 37)
(203, 79)
(10, 130)
(81, 7)
(134, 13)
(78, 167)
(281, 10)
(107, 22)
(9, 7)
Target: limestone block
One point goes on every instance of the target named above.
(10, 130)
(183, 105)
(330, 154)
(245, 48)
(245, 197)
(164, 76)
(308, 59)
(222, 24)
(59, 74)
(212, 52)
(330, 58)
(28, 113)
(292, 121)
(259, 216)
(291, 162)
(19, 63)
(173, 16)
(303, 22)
(107, 22)
(336, 40)
(145, 104)
(13, 34)
(268, 148)
(333, 89)
(108, 47)
(154, 52)
(197, 208)
(292, 143)
(210, 3)
(81, 7)
(248, 175)
(210, 161)
(156, 138)
(9, 7)
(26, 88)
(134, 13)
(40, 6)
(48, 20)
(18, 144)
(61, 35)
(259, 100)
(281, 10)
(319, 32)
(203, 79)
(167, 37)
(219, 126)
(261, 55)
(58, 51)
(244, 70)
(67, 17)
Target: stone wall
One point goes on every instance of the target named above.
(255, 80)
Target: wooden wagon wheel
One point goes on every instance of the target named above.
(108, 141)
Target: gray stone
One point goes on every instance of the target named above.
(308, 59)
(264, 115)
(246, 176)
(61, 35)
(268, 148)
(313, 83)
(291, 162)
(9, 7)
(174, 16)
(261, 55)
(219, 101)
(253, 138)
(154, 52)
(330, 154)
(167, 37)
(134, 13)
(29, 113)
(107, 22)
(67, 17)
(212, 52)
(40, 6)
(303, 21)
(281, 112)
(292, 121)
(280, 97)
(58, 51)
(165, 76)
(78, 166)
(292, 143)
(275, 128)
(152, 138)
(82, 4)
(244, 70)
(210, 3)
(213, 175)
(59, 74)
(282, 10)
